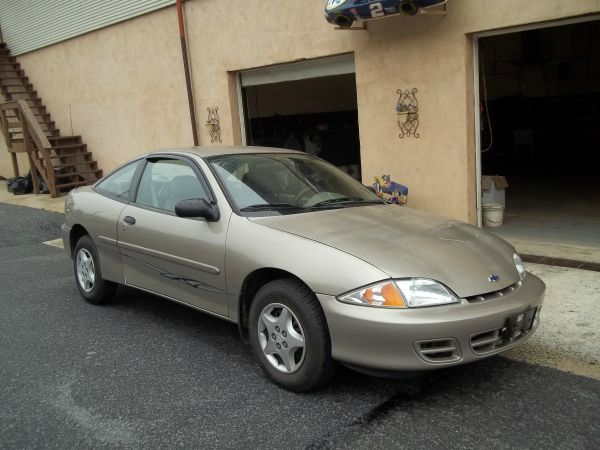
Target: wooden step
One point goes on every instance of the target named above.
(15, 127)
(11, 76)
(17, 88)
(84, 163)
(61, 140)
(49, 133)
(73, 174)
(9, 82)
(8, 66)
(69, 146)
(84, 154)
(9, 73)
(18, 137)
(41, 117)
(72, 184)
(21, 95)
(38, 109)
(34, 102)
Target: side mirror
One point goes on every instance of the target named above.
(198, 207)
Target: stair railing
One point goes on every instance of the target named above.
(16, 118)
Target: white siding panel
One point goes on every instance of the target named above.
(31, 24)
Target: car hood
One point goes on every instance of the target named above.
(404, 242)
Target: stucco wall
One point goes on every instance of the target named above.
(126, 89)
(121, 88)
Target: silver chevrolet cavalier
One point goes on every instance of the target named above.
(313, 267)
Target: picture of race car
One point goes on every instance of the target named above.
(344, 12)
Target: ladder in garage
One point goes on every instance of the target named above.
(63, 162)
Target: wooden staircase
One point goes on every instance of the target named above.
(63, 161)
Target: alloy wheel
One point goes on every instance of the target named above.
(281, 338)
(86, 271)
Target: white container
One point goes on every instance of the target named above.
(493, 214)
(493, 189)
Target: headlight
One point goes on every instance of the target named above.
(410, 293)
(520, 266)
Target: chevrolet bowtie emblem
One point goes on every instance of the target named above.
(494, 278)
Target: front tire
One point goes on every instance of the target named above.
(88, 275)
(343, 21)
(289, 336)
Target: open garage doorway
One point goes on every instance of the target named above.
(539, 128)
(309, 106)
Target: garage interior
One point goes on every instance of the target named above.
(540, 128)
(318, 115)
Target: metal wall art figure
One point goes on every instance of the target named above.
(408, 112)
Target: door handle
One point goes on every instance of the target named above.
(129, 220)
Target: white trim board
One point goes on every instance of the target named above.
(314, 68)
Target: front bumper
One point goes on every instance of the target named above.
(401, 339)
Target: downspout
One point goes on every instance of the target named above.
(186, 69)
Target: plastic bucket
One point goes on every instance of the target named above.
(493, 214)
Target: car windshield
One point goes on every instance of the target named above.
(281, 183)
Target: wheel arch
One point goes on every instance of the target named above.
(252, 283)
(77, 231)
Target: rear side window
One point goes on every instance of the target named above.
(166, 182)
(118, 183)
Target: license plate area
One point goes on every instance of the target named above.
(518, 325)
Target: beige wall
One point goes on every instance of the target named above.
(126, 88)
(121, 88)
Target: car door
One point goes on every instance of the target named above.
(177, 257)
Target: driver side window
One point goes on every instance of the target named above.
(165, 182)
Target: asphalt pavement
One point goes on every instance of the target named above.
(142, 372)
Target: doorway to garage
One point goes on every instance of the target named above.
(309, 106)
(539, 100)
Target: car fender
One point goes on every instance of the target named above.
(324, 269)
(98, 215)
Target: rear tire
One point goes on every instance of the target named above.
(88, 274)
(290, 337)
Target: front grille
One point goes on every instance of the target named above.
(495, 340)
(439, 351)
(495, 294)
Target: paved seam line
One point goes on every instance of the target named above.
(562, 262)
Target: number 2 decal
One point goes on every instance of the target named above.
(376, 10)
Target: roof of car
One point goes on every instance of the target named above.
(206, 151)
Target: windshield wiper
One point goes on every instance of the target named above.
(268, 206)
(345, 200)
